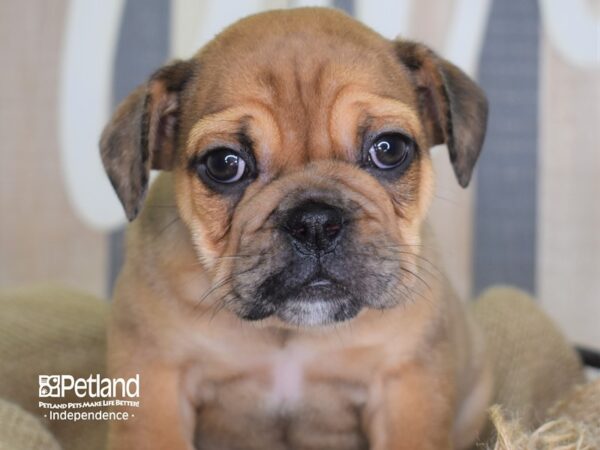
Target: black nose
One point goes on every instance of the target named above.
(315, 226)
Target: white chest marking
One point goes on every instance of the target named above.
(287, 378)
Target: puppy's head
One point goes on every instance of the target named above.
(299, 142)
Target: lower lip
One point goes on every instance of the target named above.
(319, 291)
(319, 283)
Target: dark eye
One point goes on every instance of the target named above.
(391, 150)
(224, 165)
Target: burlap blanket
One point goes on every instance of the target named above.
(53, 330)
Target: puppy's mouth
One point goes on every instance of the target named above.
(319, 282)
(318, 299)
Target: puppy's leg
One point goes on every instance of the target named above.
(409, 410)
(164, 419)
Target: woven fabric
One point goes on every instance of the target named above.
(51, 330)
(581, 405)
(534, 364)
(20, 430)
(573, 423)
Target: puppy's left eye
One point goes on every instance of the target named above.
(225, 166)
(391, 150)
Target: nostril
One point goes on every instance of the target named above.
(298, 231)
(332, 229)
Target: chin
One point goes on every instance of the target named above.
(316, 305)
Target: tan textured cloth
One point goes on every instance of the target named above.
(20, 430)
(51, 330)
(533, 362)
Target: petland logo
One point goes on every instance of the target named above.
(93, 386)
(97, 393)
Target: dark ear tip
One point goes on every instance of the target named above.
(133, 206)
(132, 209)
(131, 214)
(464, 179)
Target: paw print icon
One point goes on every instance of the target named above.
(49, 385)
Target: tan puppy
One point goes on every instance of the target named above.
(279, 290)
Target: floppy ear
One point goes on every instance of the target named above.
(453, 107)
(142, 133)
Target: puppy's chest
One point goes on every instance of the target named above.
(285, 401)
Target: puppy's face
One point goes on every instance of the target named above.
(300, 145)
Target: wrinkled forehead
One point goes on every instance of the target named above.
(300, 96)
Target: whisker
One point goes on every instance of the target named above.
(213, 288)
(427, 247)
(436, 276)
(417, 276)
(241, 256)
(446, 199)
(431, 267)
(223, 282)
(213, 307)
(409, 292)
(406, 292)
(162, 230)
(221, 303)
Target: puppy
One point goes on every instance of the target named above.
(280, 290)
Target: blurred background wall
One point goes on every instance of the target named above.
(531, 217)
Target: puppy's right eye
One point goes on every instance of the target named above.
(390, 151)
(224, 165)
